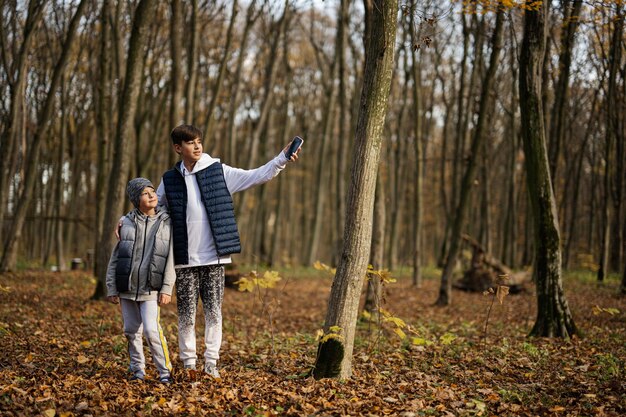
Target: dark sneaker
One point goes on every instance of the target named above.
(137, 377)
(166, 380)
(212, 370)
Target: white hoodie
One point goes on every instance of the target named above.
(200, 245)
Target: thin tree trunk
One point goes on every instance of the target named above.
(9, 258)
(334, 358)
(571, 17)
(509, 236)
(103, 123)
(553, 314)
(176, 50)
(374, 292)
(144, 15)
(419, 154)
(236, 87)
(445, 290)
(573, 221)
(17, 83)
(217, 87)
(192, 66)
(322, 177)
(344, 123)
(612, 132)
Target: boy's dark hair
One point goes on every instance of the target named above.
(185, 133)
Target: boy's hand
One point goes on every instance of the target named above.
(113, 299)
(294, 156)
(117, 230)
(164, 299)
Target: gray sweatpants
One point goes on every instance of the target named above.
(144, 317)
(206, 283)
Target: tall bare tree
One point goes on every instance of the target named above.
(334, 357)
(9, 257)
(445, 289)
(16, 78)
(553, 315)
(144, 14)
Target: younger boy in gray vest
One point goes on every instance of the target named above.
(141, 276)
(198, 193)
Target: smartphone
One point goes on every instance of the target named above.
(296, 143)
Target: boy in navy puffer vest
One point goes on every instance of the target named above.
(198, 193)
(141, 276)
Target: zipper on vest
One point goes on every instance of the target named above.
(143, 252)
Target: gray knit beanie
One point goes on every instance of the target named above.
(135, 188)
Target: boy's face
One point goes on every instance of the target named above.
(190, 151)
(148, 200)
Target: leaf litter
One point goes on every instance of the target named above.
(65, 355)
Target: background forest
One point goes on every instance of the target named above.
(84, 109)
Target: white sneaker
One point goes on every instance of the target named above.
(212, 370)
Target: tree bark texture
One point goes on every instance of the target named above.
(445, 290)
(553, 315)
(124, 131)
(334, 357)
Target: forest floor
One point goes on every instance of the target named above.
(64, 354)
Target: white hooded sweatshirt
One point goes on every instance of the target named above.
(201, 246)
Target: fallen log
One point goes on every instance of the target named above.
(486, 272)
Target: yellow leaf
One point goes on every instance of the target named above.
(319, 334)
(86, 343)
(334, 329)
(50, 412)
(420, 341)
(319, 266)
(82, 359)
(245, 284)
(397, 321)
(270, 278)
(557, 409)
(366, 315)
(161, 401)
(400, 333)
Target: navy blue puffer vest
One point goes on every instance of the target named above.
(219, 206)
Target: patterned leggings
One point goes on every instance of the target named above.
(206, 282)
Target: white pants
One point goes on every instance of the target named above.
(143, 317)
(206, 283)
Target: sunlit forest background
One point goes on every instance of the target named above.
(253, 74)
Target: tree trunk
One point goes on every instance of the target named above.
(419, 154)
(612, 132)
(17, 84)
(509, 235)
(573, 221)
(334, 357)
(344, 124)
(192, 66)
(236, 88)
(445, 290)
(617, 108)
(374, 290)
(103, 124)
(176, 50)
(219, 81)
(553, 314)
(571, 17)
(322, 174)
(144, 15)
(9, 258)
